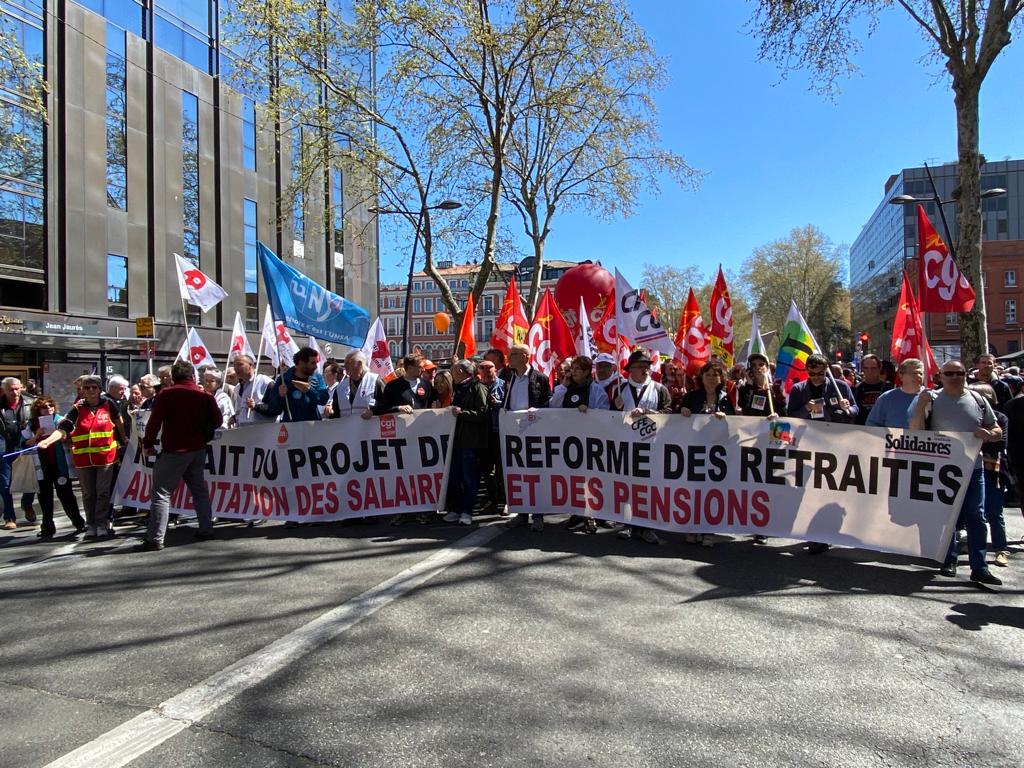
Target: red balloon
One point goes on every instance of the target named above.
(590, 281)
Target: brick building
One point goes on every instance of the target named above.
(426, 302)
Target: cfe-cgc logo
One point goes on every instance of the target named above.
(645, 427)
(781, 433)
(388, 427)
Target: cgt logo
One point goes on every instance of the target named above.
(781, 432)
(388, 426)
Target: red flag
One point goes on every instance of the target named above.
(721, 321)
(606, 333)
(908, 339)
(550, 339)
(941, 285)
(692, 348)
(467, 332)
(511, 326)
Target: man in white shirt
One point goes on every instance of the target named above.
(250, 390)
(358, 390)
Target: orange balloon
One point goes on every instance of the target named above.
(442, 322)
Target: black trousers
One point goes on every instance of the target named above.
(52, 481)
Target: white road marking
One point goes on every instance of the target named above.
(134, 738)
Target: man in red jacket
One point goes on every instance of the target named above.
(188, 417)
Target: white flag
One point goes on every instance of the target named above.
(636, 322)
(319, 355)
(239, 340)
(376, 351)
(277, 343)
(585, 342)
(195, 287)
(195, 351)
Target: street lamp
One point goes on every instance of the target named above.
(444, 205)
(939, 202)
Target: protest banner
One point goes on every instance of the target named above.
(880, 489)
(311, 471)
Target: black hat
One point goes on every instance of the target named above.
(638, 357)
(756, 356)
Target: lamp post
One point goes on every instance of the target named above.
(444, 205)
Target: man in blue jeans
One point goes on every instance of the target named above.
(15, 411)
(955, 408)
(472, 426)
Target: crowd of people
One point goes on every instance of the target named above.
(187, 408)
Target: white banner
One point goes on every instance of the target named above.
(311, 471)
(879, 489)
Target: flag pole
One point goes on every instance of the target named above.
(287, 404)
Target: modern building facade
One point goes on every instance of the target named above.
(426, 302)
(888, 242)
(146, 150)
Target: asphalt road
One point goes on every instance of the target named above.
(508, 648)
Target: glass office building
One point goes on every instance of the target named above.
(146, 150)
(889, 241)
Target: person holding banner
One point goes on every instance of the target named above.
(186, 418)
(490, 466)
(606, 370)
(821, 395)
(472, 424)
(250, 390)
(892, 408)
(300, 391)
(640, 395)
(759, 395)
(957, 409)
(52, 469)
(710, 396)
(525, 390)
(410, 392)
(358, 390)
(871, 387)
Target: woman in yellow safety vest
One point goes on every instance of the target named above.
(94, 426)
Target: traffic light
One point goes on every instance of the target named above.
(864, 338)
(839, 355)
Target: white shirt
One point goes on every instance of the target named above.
(518, 393)
(243, 391)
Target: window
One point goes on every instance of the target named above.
(416, 306)
(1010, 310)
(248, 134)
(428, 304)
(428, 329)
(416, 330)
(338, 203)
(952, 320)
(298, 220)
(117, 134)
(190, 186)
(252, 304)
(417, 286)
(22, 237)
(182, 28)
(21, 127)
(117, 286)
(465, 283)
(124, 13)
(488, 304)
(1013, 345)
(1010, 278)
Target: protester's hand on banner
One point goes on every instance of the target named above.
(685, 412)
(367, 414)
(582, 408)
(405, 409)
(637, 412)
(456, 410)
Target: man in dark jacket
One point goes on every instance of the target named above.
(404, 395)
(299, 393)
(15, 412)
(185, 417)
(472, 427)
(525, 389)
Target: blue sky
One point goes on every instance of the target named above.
(776, 154)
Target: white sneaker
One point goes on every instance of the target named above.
(90, 532)
(465, 519)
(451, 517)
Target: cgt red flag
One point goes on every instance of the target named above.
(908, 339)
(511, 326)
(467, 332)
(550, 339)
(721, 321)
(692, 348)
(941, 285)
(606, 332)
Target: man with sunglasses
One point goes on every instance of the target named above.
(825, 399)
(954, 408)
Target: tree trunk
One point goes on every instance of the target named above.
(973, 330)
(535, 279)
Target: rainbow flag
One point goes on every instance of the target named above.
(797, 345)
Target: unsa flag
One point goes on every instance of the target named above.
(195, 351)
(239, 340)
(195, 287)
(376, 351)
(941, 285)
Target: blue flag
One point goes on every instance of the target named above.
(304, 306)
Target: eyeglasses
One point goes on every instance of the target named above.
(956, 374)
